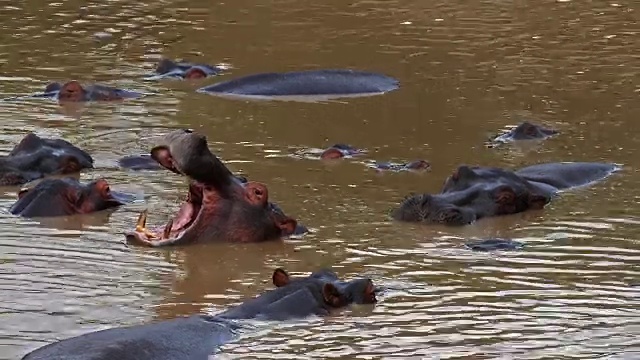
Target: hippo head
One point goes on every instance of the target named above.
(472, 193)
(338, 151)
(316, 294)
(49, 156)
(529, 131)
(356, 291)
(218, 206)
(66, 196)
(35, 157)
(185, 70)
(71, 91)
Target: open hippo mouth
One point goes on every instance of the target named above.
(179, 229)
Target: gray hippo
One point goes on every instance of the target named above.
(198, 336)
(472, 193)
(316, 83)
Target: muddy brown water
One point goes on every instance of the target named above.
(467, 70)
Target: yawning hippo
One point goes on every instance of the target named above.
(219, 207)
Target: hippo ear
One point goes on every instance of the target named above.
(369, 295)
(331, 153)
(162, 155)
(287, 226)
(332, 296)
(280, 277)
(165, 65)
(537, 202)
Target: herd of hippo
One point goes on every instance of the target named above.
(224, 207)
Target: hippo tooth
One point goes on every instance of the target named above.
(167, 229)
(142, 221)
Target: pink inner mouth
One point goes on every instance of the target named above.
(184, 218)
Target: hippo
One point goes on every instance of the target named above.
(34, 158)
(184, 70)
(219, 207)
(494, 244)
(416, 165)
(316, 294)
(338, 151)
(146, 162)
(73, 91)
(524, 131)
(472, 193)
(66, 196)
(198, 336)
(315, 83)
(139, 162)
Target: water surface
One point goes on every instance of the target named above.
(467, 70)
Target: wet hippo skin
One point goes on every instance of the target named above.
(338, 151)
(309, 82)
(139, 162)
(73, 91)
(219, 207)
(66, 196)
(146, 162)
(34, 157)
(184, 70)
(525, 131)
(198, 336)
(416, 165)
(472, 193)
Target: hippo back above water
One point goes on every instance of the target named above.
(305, 83)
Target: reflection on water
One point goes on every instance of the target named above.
(467, 70)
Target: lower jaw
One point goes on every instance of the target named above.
(143, 236)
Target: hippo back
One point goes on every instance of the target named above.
(190, 338)
(310, 82)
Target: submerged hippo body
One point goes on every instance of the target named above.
(305, 83)
(189, 338)
(139, 162)
(168, 69)
(65, 197)
(219, 207)
(339, 151)
(524, 131)
(73, 91)
(472, 193)
(197, 337)
(34, 157)
(416, 165)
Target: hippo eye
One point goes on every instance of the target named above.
(505, 195)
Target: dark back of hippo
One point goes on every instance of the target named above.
(567, 175)
(190, 338)
(311, 82)
(296, 300)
